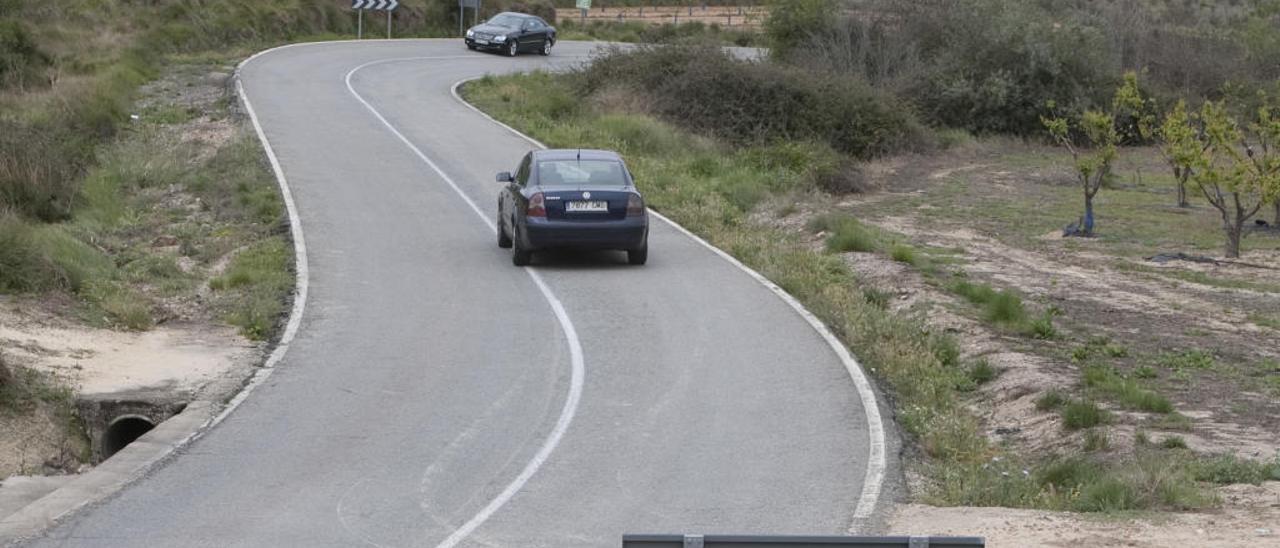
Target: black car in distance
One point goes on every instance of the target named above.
(570, 198)
(512, 33)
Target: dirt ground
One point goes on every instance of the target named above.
(1250, 516)
(179, 358)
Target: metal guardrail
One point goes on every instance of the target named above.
(769, 541)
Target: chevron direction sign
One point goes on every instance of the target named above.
(387, 5)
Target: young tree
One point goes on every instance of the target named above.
(1093, 166)
(1175, 133)
(1237, 169)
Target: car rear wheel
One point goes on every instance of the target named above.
(546, 46)
(639, 255)
(504, 240)
(513, 47)
(519, 255)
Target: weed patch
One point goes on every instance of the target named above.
(257, 282)
(1050, 400)
(1127, 392)
(1077, 414)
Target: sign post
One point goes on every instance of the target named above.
(361, 5)
(462, 13)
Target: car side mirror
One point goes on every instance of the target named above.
(504, 177)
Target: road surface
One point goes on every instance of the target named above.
(435, 395)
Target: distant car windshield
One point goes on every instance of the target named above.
(506, 20)
(592, 173)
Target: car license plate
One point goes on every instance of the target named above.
(594, 205)
(482, 42)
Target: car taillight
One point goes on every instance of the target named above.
(537, 206)
(635, 206)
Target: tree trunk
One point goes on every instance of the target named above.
(1181, 176)
(1233, 239)
(1086, 224)
(1277, 221)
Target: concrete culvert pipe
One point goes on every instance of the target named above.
(122, 431)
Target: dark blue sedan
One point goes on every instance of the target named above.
(583, 199)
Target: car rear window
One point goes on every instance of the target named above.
(576, 173)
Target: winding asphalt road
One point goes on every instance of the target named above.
(436, 395)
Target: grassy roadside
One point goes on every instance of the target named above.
(712, 188)
(155, 216)
(178, 222)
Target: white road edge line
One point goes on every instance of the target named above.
(570, 408)
(302, 274)
(876, 460)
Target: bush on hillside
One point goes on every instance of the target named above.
(705, 90)
(21, 63)
(990, 66)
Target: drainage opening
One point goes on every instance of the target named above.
(123, 431)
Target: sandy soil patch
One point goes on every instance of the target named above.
(1250, 516)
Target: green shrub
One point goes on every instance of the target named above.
(1228, 469)
(118, 305)
(1127, 392)
(1188, 359)
(23, 265)
(903, 254)
(21, 62)
(976, 293)
(792, 22)
(1077, 414)
(876, 297)
(982, 372)
(1051, 399)
(261, 280)
(851, 236)
(757, 103)
(1096, 439)
(1042, 327)
(1173, 442)
(1006, 308)
(1107, 495)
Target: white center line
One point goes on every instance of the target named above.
(566, 325)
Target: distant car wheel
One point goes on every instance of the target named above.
(504, 241)
(519, 255)
(639, 255)
(546, 46)
(513, 48)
